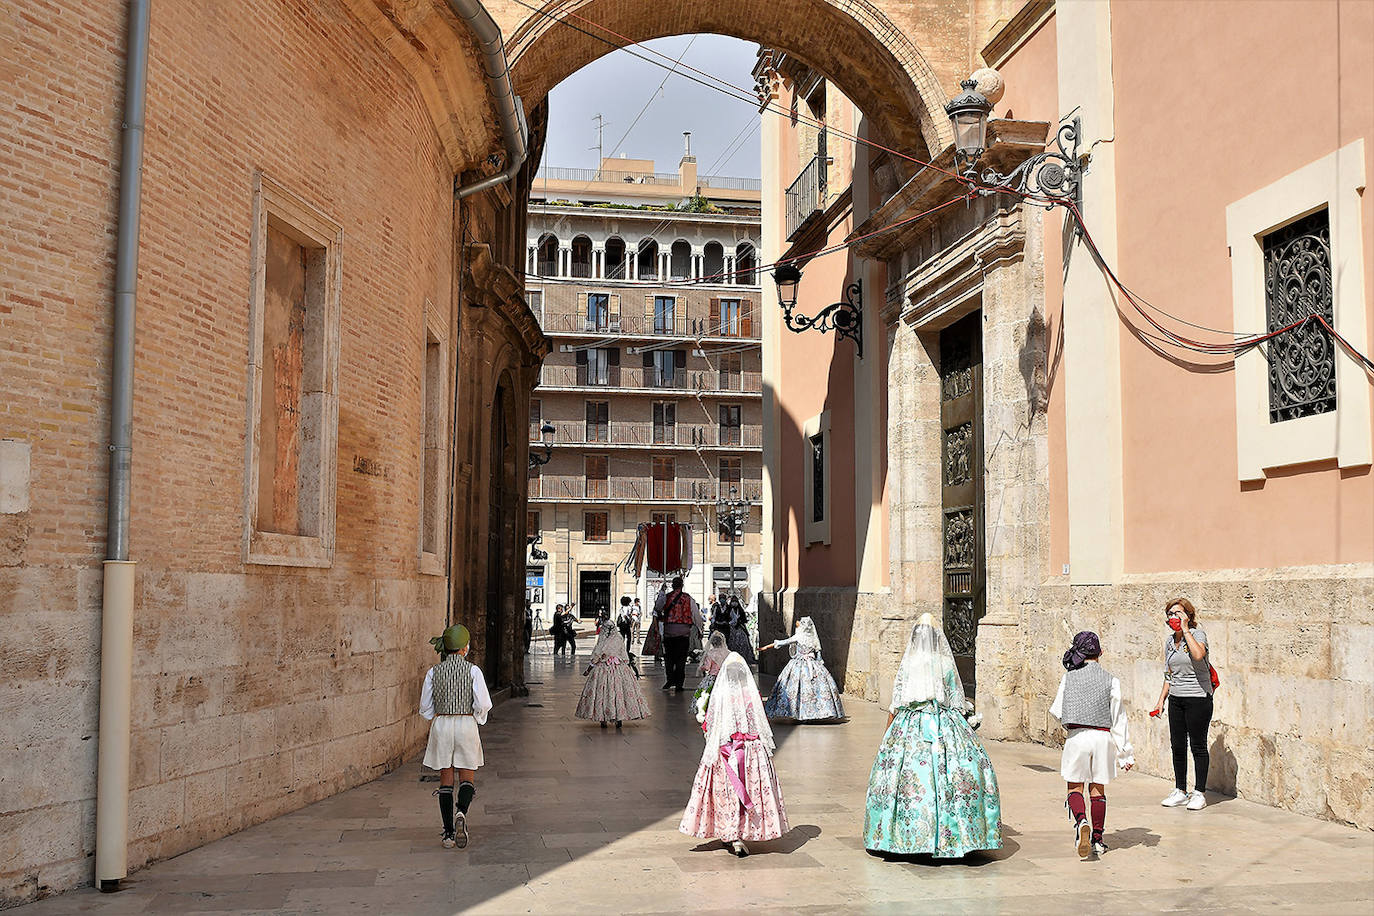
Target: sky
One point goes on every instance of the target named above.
(618, 86)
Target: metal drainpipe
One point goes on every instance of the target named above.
(514, 132)
(116, 617)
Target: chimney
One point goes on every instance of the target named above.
(687, 168)
(686, 144)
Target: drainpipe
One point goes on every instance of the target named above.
(510, 111)
(116, 617)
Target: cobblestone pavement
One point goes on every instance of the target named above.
(572, 819)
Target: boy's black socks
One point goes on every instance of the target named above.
(445, 794)
(466, 791)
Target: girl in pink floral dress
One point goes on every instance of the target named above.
(735, 796)
(611, 693)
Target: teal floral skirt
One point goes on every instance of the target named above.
(932, 789)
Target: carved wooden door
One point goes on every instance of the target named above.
(961, 491)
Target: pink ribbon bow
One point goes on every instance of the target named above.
(613, 660)
(733, 752)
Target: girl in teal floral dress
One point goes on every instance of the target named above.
(932, 789)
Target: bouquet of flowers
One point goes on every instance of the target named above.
(701, 699)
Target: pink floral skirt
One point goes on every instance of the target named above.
(714, 811)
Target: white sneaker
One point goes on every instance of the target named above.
(1176, 798)
(1197, 802)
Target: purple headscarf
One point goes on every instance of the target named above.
(1085, 646)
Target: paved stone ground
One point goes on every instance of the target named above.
(572, 819)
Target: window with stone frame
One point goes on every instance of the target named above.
(1297, 289)
(293, 398)
(596, 526)
(659, 518)
(434, 439)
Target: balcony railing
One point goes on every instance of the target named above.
(730, 184)
(806, 196)
(644, 326)
(636, 377)
(642, 489)
(645, 433)
(553, 174)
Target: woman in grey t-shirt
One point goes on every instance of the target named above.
(1188, 688)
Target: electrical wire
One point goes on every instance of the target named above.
(1239, 343)
(725, 87)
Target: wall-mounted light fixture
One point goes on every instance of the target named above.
(845, 318)
(1053, 174)
(546, 433)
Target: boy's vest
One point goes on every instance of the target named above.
(452, 687)
(1088, 697)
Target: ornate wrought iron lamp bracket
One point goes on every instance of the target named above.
(845, 318)
(532, 541)
(547, 432)
(1053, 174)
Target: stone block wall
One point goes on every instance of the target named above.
(1294, 649)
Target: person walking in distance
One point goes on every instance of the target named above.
(636, 619)
(677, 612)
(455, 700)
(1089, 706)
(1188, 687)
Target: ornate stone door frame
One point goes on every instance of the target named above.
(987, 257)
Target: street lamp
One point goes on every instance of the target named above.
(546, 433)
(845, 318)
(1052, 174)
(532, 541)
(731, 514)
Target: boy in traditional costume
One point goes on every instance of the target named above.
(455, 700)
(1089, 706)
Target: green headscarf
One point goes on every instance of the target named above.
(454, 639)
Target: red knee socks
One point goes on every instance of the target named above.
(1099, 803)
(1076, 808)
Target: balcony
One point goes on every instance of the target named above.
(805, 199)
(580, 489)
(643, 326)
(645, 434)
(640, 379)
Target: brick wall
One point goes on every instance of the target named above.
(256, 689)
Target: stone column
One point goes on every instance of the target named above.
(565, 262)
(599, 263)
(730, 269)
(631, 260)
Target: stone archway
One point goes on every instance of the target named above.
(865, 47)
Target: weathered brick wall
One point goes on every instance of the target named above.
(256, 689)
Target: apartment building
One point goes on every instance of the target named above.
(647, 285)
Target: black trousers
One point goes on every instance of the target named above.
(1189, 718)
(675, 659)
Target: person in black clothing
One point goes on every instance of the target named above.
(529, 625)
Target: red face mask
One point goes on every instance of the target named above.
(1176, 625)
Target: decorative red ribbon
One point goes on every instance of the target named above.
(733, 752)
